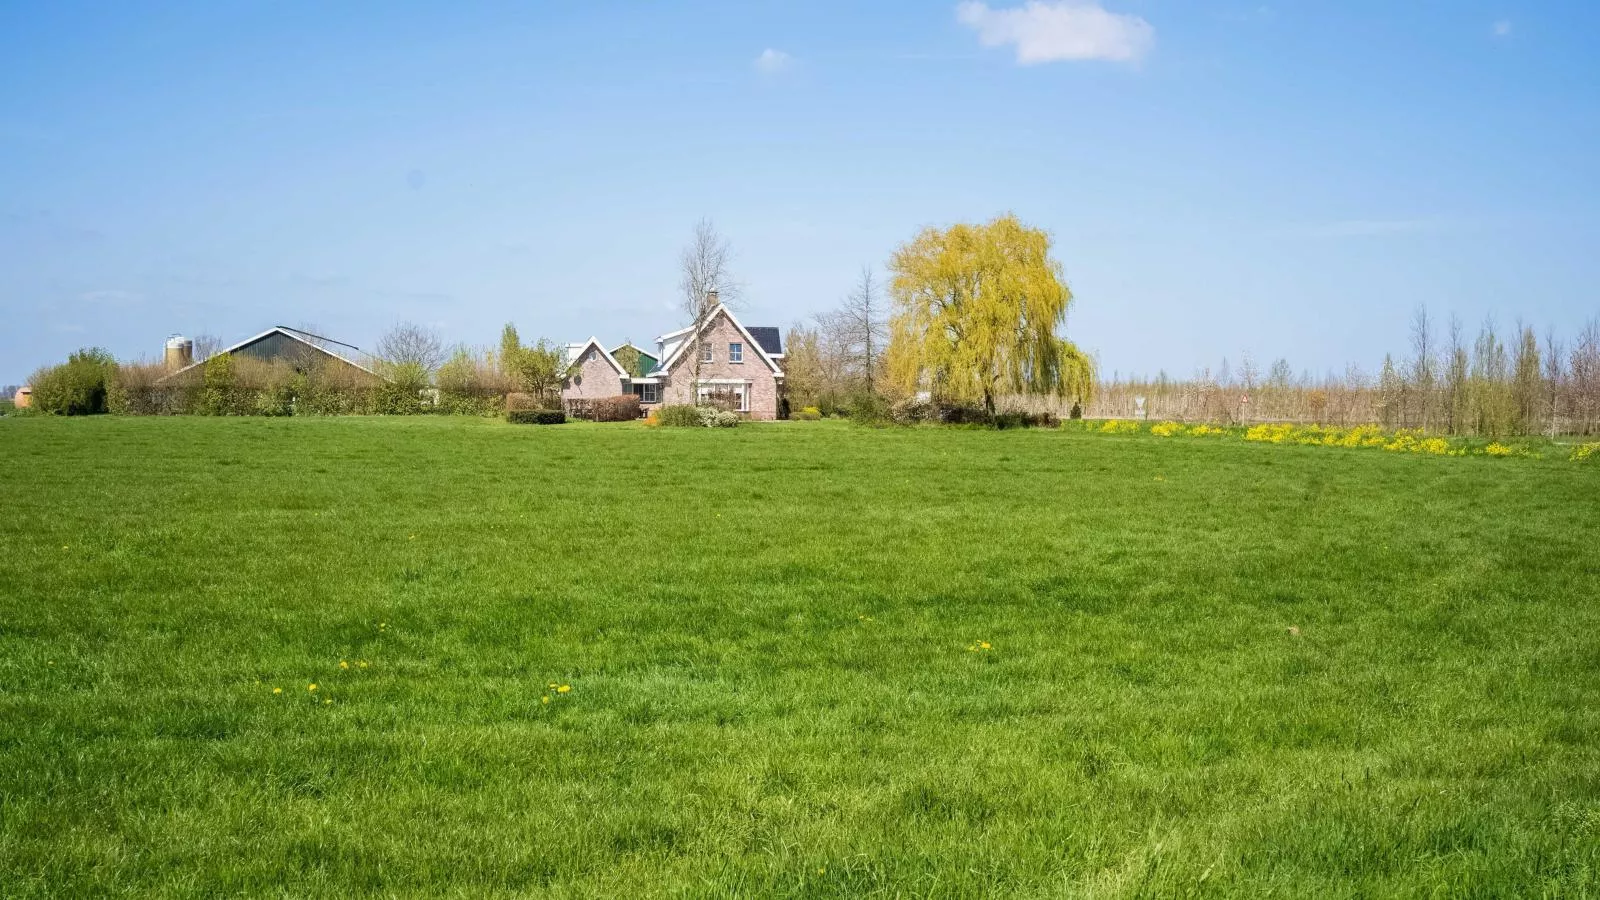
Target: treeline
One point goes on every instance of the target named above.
(1491, 385)
(411, 373)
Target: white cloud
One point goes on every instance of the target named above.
(1502, 28)
(1060, 30)
(771, 61)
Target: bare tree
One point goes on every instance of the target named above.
(859, 330)
(1555, 376)
(1457, 407)
(1424, 365)
(1585, 375)
(410, 344)
(206, 346)
(705, 277)
(705, 281)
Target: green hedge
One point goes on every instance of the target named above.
(536, 417)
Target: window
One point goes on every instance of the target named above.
(705, 351)
(650, 393)
(726, 396)
(736, 353)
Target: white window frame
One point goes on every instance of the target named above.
(742, 391)
(706, 353)
(735, 352)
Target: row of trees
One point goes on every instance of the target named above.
(1494, 384)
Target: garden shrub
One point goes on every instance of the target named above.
(912, 411)
(712, 417)
(77, 387)
(962, 414)
(808, 414)
(1025, 419)
(831, 405)
(536, 417)
(869, 409)
(621, 408)
(678, 416)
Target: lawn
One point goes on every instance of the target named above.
(803, 659)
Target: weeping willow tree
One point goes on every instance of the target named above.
(977, 309)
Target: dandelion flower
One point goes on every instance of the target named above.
(545, 699)
(362, 664)
(277, 690)
(565, 688)
(343, 664)
(312, 687)
(327, 701)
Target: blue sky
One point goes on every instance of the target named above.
(1220, 177)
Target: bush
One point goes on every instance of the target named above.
(1022, 419)
(621, 408)
(809, 414)
(536, 417)
(77, 387)
(678, 416)
(831, 405)
(961, 414)
(712, 417)
(868, 409)
(912, 411)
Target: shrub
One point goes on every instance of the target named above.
(1024, 419)
(831, 405)
(679, 416)
(77, 387)
(712, 417)
(1119, 426)
(1586, 451)
(869, 409)
(536, 417)
(621, 408)
(809, 414)
(960, 414)
(912, 411)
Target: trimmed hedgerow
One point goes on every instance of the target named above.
(536, 417)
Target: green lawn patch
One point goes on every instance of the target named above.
(802, 659)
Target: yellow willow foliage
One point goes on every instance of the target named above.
(976, 310)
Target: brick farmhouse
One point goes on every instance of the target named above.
(717, 361)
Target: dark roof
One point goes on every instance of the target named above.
(769, 339)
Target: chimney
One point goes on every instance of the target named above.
(180, 352)
(711, 299)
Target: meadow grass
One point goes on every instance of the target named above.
(804, 659)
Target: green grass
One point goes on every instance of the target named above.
(766, 632)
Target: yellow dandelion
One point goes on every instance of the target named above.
(983, 645)
(565, 688)
(327, 702)
(277, 690)
(312, 687)
(362, 664)
(343, 664)
(545, 699)
(553, 685)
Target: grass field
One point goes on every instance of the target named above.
(804, 659)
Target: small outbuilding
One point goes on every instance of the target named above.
(23, 397)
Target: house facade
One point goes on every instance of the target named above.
(718, 361)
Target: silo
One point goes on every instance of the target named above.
(180, 352)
